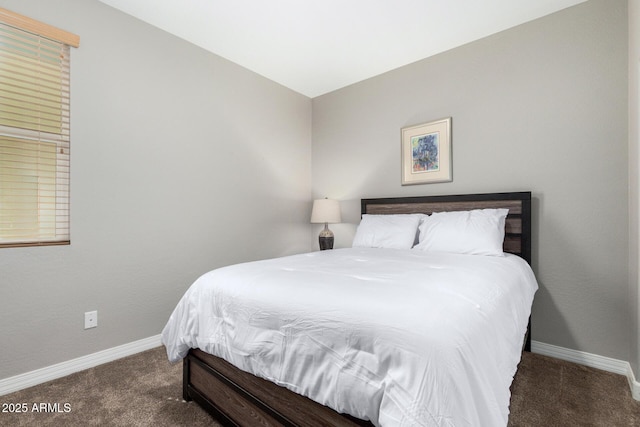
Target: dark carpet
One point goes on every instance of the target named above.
(145, 390)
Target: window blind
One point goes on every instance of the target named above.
(34, 139)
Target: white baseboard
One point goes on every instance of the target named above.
(634, 384)
(39, 376)
(592, 360)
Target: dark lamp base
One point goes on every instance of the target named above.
(325, 242)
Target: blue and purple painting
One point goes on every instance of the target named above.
(425, 152)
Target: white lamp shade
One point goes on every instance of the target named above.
(325, 210)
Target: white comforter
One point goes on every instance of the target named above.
(399, 337)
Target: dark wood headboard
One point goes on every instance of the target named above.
(517, 238)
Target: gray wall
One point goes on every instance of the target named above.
(634, 182)
(540, 107)
(181, 162)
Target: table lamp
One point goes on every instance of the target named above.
(325, 211)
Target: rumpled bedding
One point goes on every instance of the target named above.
(398, 337)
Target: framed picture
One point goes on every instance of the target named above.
(426, 153)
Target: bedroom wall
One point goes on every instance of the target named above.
(181, 162)
(634, 183)
(540, 107)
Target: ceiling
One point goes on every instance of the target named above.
(315, 47)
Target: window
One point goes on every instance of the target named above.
(34, 132)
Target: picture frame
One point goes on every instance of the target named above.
(426, 153)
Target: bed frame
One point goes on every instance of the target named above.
(237, 398)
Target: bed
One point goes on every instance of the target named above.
(388, 381)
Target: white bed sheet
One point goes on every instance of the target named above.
(398, 337)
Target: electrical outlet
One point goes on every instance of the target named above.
(90, 319)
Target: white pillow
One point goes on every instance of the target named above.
(477, 232)
(387, 231)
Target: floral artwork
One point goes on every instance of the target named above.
(425, 153)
